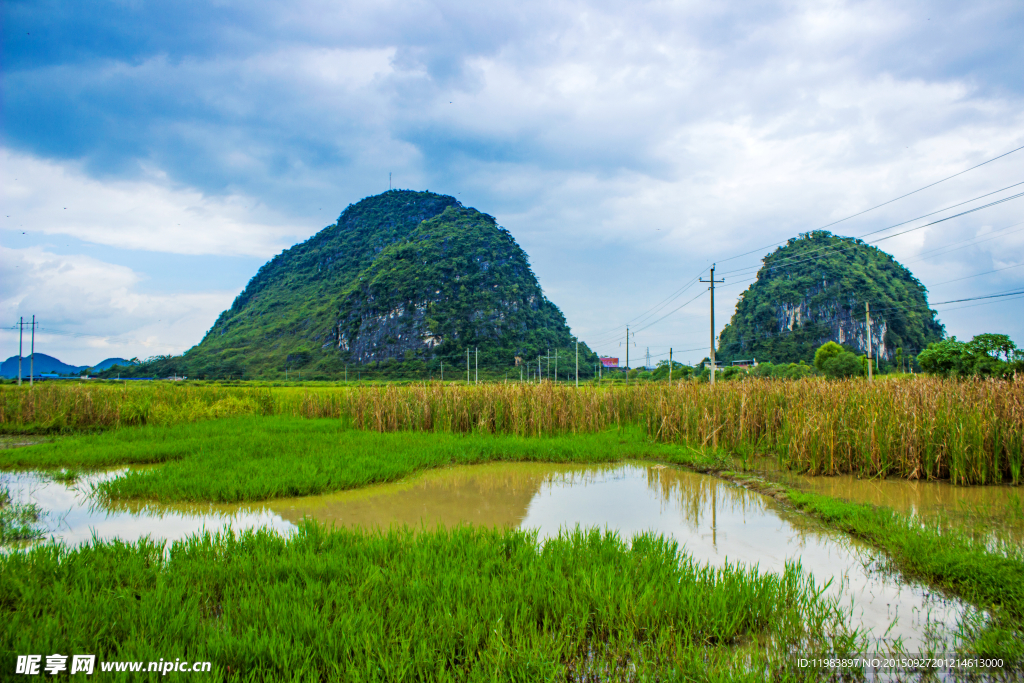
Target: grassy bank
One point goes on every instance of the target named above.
(256, 458)
(971, 432)
(457, 605)
(968, 565)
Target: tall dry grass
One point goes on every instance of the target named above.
(52, 407)
(971, 432)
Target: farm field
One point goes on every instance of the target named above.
(614, 616)
(969, 432)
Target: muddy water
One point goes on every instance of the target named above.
(995, 510)
(713, 520)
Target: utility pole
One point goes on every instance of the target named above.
(539, 376)
(577, 362)
(556, 366)
(627, 355)
(21, 332)
(32, 356)
(548, 359)
(467, 366)
(476, 365)
(647, 366)
(867, 316)
(670, 366)
(712, 281)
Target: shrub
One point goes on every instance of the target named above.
(841, 366)
(825, 353)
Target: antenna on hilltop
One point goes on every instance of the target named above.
(389, 181)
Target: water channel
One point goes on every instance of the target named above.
(713, 520)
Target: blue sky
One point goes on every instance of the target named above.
(154, 155)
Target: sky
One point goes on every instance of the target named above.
(154, 155)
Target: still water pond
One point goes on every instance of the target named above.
(713, 520)
(993, 511)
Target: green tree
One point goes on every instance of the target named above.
(943, 358)
(825, 353)
(987, 355)
(842, 366)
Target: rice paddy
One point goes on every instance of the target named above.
(471, 603)
(456, 605)
(969, 432)
(258, 458)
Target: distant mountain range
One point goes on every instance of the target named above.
(44, 364)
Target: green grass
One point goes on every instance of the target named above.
(952, 558)
(447, 605)
(18, 521)
(249, 458)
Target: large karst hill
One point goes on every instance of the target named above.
(814, 289)
(402, 277)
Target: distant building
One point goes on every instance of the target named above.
(609, 362)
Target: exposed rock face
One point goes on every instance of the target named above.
(401, 276)
(814, 290)
(458, 280)
(835, 321)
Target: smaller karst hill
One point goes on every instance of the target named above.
(814, 289)
(403, 277)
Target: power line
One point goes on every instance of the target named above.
(972, 242)
(671, 312)
(679, 292)
(878, 206)
(831, 249)
(968, 277)
(109, 339)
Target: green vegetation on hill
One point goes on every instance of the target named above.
(401, 283)
(814, 290)
(464, 282)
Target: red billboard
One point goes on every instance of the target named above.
(609, 362)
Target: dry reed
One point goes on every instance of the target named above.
(971, 432)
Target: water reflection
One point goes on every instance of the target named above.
(71, 514)
(711, 519)
(995, 511)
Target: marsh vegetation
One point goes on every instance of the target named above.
(970, 432)
(467, 602)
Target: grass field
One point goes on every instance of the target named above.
(256, 458)
(970, 432)
(460, 605)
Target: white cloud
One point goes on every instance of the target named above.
(658, 137)
(90, 310)
(150, 214)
